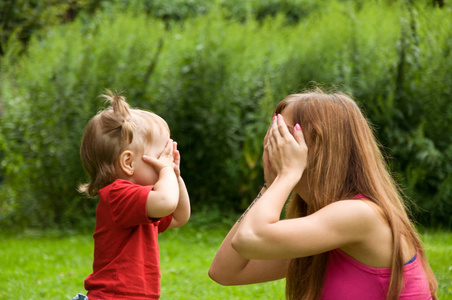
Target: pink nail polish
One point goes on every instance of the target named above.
(297, 127)
(274, 117)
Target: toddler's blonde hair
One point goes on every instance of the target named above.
(109, 133)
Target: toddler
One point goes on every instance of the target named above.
(133, 166)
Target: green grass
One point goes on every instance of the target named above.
(438, 245)
(48, 266)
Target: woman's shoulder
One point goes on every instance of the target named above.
(361, 209)
(360, 218)
(373, 243)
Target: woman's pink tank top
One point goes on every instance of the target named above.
(348, 279)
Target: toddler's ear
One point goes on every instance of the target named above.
(126, 162)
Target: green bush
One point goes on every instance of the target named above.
(216, 79)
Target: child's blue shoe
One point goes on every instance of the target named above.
(80, 297)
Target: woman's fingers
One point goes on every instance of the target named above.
(282, 126)
(274, 133)
(266, 143)
(298, 135)
(267, 135)
(279, 131)
(286, 151)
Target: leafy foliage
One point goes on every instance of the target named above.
(215, 73)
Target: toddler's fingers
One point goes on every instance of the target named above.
(176, 157)
(168, 151)
(175, 151)
(150, 160)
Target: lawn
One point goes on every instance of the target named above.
(37, 265)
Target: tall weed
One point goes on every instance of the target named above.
(216, 79)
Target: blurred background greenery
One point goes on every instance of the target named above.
(214, 70)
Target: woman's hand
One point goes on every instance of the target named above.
(287, 153)
(269, 173)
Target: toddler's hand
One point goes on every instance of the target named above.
(176, 160)
(165, 159)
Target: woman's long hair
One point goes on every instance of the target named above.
(344, 160)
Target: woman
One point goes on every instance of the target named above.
(347, 234)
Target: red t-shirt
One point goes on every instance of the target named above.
(126, 253)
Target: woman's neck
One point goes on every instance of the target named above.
(302, 189)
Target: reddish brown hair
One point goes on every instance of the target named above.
(344, 160)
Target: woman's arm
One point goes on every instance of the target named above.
(262, 235)
(230, 268)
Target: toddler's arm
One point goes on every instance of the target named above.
(164, 198)
(182, 212)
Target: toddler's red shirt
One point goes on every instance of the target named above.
(126, 253)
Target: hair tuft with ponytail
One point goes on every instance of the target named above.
(110, 132)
